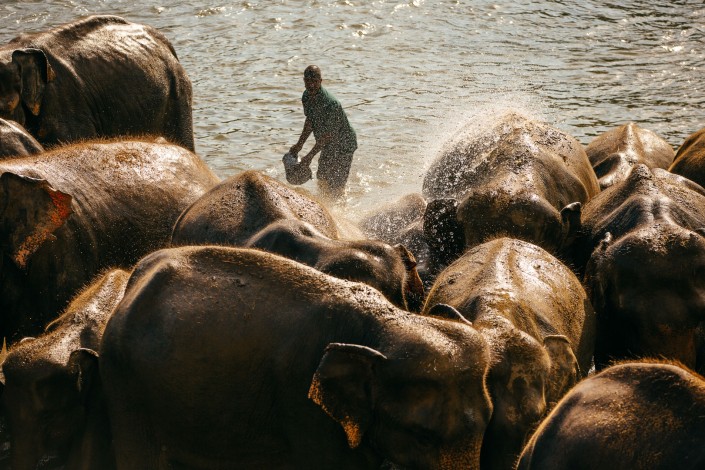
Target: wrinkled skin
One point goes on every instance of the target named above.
(53, 396)
(690, 158)
(99, 76)
(67, 214)
(242, 205)
(390, 270)
(540, 326)
(237, 358)
(255, 210)
(15, 141)
(511, 177)
(614, 153)
(645, 274)
(633, 416)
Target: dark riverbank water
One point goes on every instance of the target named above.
(410, 72)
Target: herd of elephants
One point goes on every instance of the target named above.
(540, 304)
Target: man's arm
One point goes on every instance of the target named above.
(320, 143)
(308, 128)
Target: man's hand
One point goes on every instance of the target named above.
(308, 159)
(295, 149)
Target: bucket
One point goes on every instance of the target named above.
(296, 172)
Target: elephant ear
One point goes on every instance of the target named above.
(36, 72)
(565, 371)
(570, 215)
(343, 386)
(413, 286)
(31, 211)
(83, 363)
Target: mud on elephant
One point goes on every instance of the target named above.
(69, 213)
(540, 327)
(100, 76)
(228, 357)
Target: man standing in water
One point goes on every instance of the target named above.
(335, 137)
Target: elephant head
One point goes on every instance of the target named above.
(526, 216)
(526, 379)
(450, 227)
(419, 409)
(22, 84)
(391, 270)
(47, 405)
(53, 395)
(647, 290)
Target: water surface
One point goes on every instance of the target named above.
(409, 73)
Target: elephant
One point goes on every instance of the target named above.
(100, 76)
(68, 213)
(391, 270)
(689, 158)
(539, 324)
(15, 141)
(642, 251)
(242, 205)
(631, 416)
(221, 357)
(52, 392)
(614, 153)
(252, 209)
(513, 176)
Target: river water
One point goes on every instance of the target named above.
(410, 73)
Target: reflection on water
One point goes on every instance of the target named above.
(409, 73)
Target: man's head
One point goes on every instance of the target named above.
(312, 79)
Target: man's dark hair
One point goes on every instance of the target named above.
(312, 71)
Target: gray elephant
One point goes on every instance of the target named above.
(690, 158)
(252, 209)
(100, 76)
(69, 213)
(222, 357)
(52, 396)
(540, 327)
(643, 254)
(15, 141)
(390, 270)
(513, 176)
(631, 416)
(613, 154)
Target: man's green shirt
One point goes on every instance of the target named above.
(327, 116)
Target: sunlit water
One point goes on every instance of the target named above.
(409, 73)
